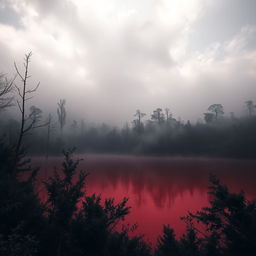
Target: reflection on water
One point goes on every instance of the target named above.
(160, 190)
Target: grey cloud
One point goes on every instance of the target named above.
(149, 43)
(221, 21)
(127, 64)
(9, 16)
(53, 7)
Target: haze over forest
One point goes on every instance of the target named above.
(155, 96)
(109, 60)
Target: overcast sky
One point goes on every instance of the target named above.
(108, 58)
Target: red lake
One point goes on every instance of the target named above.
(160, 189)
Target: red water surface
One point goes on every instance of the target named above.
(160, 190)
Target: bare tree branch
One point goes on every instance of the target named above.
(17, 70)
(6, 87)
(32, 121)
(18, 89)
(33, 90)
(19, 106)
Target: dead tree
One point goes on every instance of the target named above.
(61, 111)
(31, 120)
(250, 107)
(6, 87)
(138, 125)
(217, 109)
(50, 128)
(168, 115)
(157, 116)
(139, 115)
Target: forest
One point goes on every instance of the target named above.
(157, 133)
(70, 222)
(127, 128)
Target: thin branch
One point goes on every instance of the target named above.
(11, 83)
(18, 72)
(33, 90)
(18, 89)
(19, 106)
(28, 128)
(29, 98)
(7, 86)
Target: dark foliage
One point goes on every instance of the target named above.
(71, 222)
(227, 227)
(68, 223)
(21, 213)
(167, 243)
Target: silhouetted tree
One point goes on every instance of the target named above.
(63, 196)
(157, 116)
(95, 223)
(20, 210)
(230, 220)
(81, 224)
(188, 125)
(189, 242)
(30, 121)
(168, 115)
(6, 87)
(35, 116)
(208, 117)
(138, 125)
(250, 107)
(49, 130)
(167, 243)
(226, 227)
(62, 114)
(217, 109)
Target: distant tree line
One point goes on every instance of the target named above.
(162, 134)
(71, 222)
(158, 133)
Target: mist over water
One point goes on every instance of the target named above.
(156, 96)
(160, 190)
